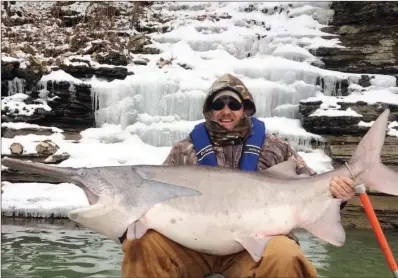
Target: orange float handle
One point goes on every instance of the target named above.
(367, 205)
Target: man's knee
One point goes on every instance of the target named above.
(148, 256)
(283, 257)
(283, 248)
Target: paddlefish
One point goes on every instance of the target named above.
(219, 210)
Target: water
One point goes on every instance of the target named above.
(40, 249)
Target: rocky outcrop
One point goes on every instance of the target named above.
(369, 33)
(93, 33)
(343, 125)
(386, 209)
(341, 148)
(69, 107)
(104, 72)
(103, 32)
(342, 134)
(29, 74)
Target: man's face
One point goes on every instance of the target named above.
(227, 111)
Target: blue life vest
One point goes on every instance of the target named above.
(251, 149)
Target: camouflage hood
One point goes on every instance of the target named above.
(230, 82)
(219, 135)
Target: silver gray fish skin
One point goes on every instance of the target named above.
(218, 210)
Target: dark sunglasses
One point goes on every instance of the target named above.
(232, 104)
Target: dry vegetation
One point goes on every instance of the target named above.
(51, 29)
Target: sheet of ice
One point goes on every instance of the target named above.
(292, 131)
(163, 133)
(294, 53)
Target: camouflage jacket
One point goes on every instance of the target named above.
(274, 151)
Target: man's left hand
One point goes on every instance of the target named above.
(342, 188)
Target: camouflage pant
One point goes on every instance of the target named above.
(156, 256)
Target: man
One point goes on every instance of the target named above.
(229, 137)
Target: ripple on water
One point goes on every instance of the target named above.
(30, 252)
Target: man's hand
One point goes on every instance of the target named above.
(342, 188)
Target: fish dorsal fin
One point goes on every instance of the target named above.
(285, 169)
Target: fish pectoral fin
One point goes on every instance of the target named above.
(136, 230)
(329, 227)
(255, 245)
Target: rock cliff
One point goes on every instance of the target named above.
(368, 32)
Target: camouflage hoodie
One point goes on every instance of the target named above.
(274, 150)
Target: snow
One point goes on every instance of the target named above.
(16, 105)
(139, 118)
(366, 124)
(295, 53)
(317, 160)
(58, 76)
(335, 113)
(370, 96)
(29, 142)
(21, 125)
(383, 81)
(393, 129)
(41, 199)
(9, 59)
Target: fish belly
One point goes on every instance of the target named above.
(216, 233)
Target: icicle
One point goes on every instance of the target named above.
(286, 111)
(188, 106)
(145, 94)
(16, 86)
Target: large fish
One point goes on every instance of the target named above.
(218, 210)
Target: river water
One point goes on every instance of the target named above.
(44, 249)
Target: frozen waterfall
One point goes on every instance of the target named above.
(268, 50)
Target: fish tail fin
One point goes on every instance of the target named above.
(366, 164)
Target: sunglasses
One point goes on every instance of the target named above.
(232, 104)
